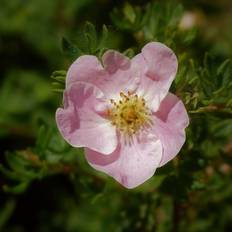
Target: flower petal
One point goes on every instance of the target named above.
(162, 63)
(86, 68)
(150, 91)
(169, 126)
(130, 165)
(114, 61)
(81, 123)
(114, 78)
(155, 69)
(120, 78)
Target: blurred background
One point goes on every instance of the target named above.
(58, 191)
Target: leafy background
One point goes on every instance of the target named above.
(45, 184)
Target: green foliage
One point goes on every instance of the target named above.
(148, 24)
(53, 182)
(43, 20)
(130, 18)
(208, 87)
(35, 163)
(32, 98)
(87, 42)
(59, 80)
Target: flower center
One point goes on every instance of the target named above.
(130, 113)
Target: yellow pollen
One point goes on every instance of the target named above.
(130, 114)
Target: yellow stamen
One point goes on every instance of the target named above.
(130, 113)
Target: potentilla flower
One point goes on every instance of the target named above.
(122, 113)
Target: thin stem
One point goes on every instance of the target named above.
(211, 108)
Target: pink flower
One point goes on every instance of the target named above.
(122, 113)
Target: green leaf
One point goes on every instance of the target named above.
(70, 49)
(223, 66)
(6, 213)
(17, 189)
(105, 34)
(91, 36)
(198, 185)
(11, 174)
(129, 12)
(43, 137)
(189, 36)
(59, 76)
(18, 164)
(129, 52)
